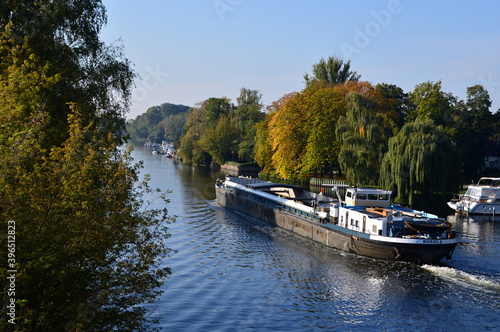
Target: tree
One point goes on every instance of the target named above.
(173, 126)
(421, 159)
(211, 132)
(216, 108)
(394, 99)
(263, 147)
(219, 141)
(475, 126)
(153, 124)
(332, 71)
(247, 114)
(430, 103)
(88, 252)
(324, 105)
(191, 150)
(62, 37)
(301, 128)
(363, 134)
(288, 136)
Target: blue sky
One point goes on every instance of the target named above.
(187, 51)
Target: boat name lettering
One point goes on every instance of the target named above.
(433, 241)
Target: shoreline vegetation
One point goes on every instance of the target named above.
(417, 144)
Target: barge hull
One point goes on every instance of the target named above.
(332, 236)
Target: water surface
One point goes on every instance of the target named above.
(234, 273)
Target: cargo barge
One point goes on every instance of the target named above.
(364, 223)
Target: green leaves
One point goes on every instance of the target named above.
(84, 234)
(363, 134)
(218, 131)
(422, 159)
(332, 71)
(89, 254)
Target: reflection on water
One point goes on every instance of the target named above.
(234, 273)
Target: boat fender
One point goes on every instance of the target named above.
(347, 247)
(396, 253)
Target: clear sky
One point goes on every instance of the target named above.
(187, 51)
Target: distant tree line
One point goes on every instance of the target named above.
(215, 130)
(158, 123)
(423, 141)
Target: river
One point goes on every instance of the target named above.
(233, 273)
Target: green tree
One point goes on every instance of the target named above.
(263, 147)
(324, 106)
(63, 38)
(191, 150)
(248, 113)
(363, 134)
(421, 159)
(475, 126)
(210, 132)
(216, 108)
(394, 99)
(89, 254)
(332, 71)
(221, 140)
(429, 102)
(173, 126)
(153, 125)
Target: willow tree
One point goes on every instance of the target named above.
(363, 134)
(421, 160)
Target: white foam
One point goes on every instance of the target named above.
(463, 277)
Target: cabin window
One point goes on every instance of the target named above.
(361, 196)
(374, 229)
(372, 197)
(383, 197)
(349, 194)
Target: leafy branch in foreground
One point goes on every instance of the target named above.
(89, 256)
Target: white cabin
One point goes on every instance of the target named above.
(368, 197)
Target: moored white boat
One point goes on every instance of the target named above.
(481, 198)
(366, 223)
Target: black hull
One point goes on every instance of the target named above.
(336, 236)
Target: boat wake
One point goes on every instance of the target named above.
(464, 278)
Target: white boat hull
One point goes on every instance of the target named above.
(474, 207)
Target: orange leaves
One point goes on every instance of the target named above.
(301, 127)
